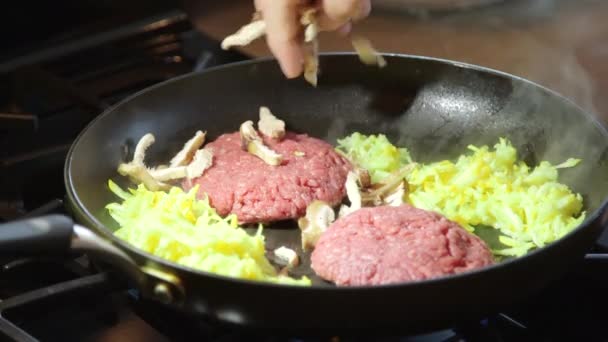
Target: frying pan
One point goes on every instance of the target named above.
(434, 107)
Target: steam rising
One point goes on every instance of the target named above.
(461, 108)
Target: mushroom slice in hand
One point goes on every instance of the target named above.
(367, 53)
(286, 257)
(183, 157)
(307, 17)
(270, 125)
(311, 50)
(252, 143)
(319, 216)
(245, 35)
(309, 21)
(311, 63)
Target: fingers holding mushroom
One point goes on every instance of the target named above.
(294, 52)
(311, 50)
(245, 35)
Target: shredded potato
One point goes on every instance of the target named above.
(174, 225)
(528, 206)
(374, 153)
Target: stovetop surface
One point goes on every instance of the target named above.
(49, 100)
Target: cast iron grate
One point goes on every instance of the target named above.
(43, 106)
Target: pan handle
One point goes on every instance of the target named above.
(57, 234)
(44, 235)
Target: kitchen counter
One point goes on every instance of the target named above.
(561, 44)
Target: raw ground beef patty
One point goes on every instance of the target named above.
(382, 245)
(243, 184)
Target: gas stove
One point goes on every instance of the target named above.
(51, 93)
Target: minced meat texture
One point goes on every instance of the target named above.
(243, 184)
(382, 245)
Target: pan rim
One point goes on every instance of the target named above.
(101, 229)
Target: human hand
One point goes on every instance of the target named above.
(283, 31)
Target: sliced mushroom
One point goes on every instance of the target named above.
(309, 21)
(189, 162)
(167, 174)
(388, 187)
(311, 63)
(136, 169)
(140, 149)
(396, 197)
(257, 15)
(270, 125)
(245, 35)
(286, 257)
(353, 193)
(270, 157)
(363, 177)
(252, 143)
(367, 53)
(344, 210)
(319, 216)
(139, 173)
(391, 192)
(257, 28)
(203, 159)
(248, 133)
(307, 16)
(311, 32)
(311, 51)
(183, 157)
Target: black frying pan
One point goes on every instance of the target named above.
(434, 107)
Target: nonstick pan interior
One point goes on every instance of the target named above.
(434, 108)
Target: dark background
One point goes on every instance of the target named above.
(32, 24)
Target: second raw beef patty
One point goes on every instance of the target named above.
(382, 245)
